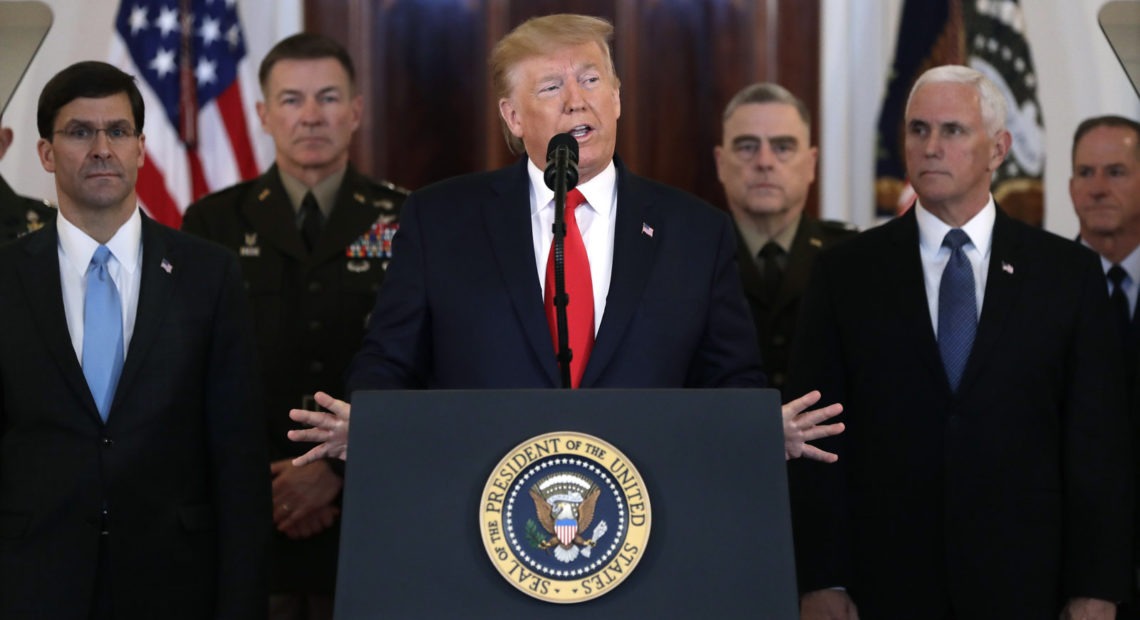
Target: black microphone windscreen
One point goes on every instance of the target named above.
(566, 140)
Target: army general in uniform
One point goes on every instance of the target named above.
(314, 238)
(766, 164)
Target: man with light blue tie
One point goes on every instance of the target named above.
(132, 464)
(986, 467)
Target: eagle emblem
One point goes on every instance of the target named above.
(564, 503)
(564, 517)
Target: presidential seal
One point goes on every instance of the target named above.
(565, 517)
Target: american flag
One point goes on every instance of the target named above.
(187, 56)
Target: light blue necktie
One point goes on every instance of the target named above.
(957, 308)
(102, 332)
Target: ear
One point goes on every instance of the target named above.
(357, 107)
(142, 150)
(813, 154)
(262, 110)
(5, 140)
(47, 155)
(1002, 143)
(718, 157)
(511, 117)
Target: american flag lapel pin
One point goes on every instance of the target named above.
(647, 230)
(1006, 267)
(166, 266)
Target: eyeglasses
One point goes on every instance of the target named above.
(746, 149)
(85, 134)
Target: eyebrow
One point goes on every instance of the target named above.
(783, 138)
(82, 121)
(557, 75)
(298, 92)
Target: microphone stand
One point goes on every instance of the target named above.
(560, 297)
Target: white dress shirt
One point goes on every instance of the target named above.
(75, 251)
(931, 232)
(595, 220)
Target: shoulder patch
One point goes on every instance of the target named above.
(837, 225)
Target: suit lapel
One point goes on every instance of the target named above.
(507, 217)
(905, 291)
(40, 278)
(159, 269)
(634, 253)
(805, 246)
(271, 215)
(749, 272)
(1002, 287)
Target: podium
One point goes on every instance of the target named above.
(712, 463)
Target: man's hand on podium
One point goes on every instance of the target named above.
(329, 430)
(802, 426)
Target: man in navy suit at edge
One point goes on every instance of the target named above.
(975, 328)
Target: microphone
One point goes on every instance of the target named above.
(561, 175)
(561, 162)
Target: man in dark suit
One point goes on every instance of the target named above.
(1105, 189)
(986, 468)
(314, 239)
(19, 215)
(132, 470)
(766, 164)
(463, 303)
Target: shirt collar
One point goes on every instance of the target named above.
(1130, 264)
(324, 191)
(755, 240)
(980, 228)
(78, 247)
(598, 191)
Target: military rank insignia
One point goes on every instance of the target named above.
(250, 249)
(565, 517)
(34, 222)
(377, 242)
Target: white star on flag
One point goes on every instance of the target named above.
(210, 31)
(138, 19)
(233, 36)
(205, 72)
(168, 21)
(163, 63)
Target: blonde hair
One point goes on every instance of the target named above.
(540, 36)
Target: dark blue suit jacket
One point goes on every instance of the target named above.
(176, 476)
(999, 501)
(461, 306)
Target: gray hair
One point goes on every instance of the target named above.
(767, 92)
(990, 99)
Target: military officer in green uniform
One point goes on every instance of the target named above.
(19, 215)
(766, 164)
(314, 238)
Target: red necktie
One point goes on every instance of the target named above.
(579, 290)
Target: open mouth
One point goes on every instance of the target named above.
(581, 131)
